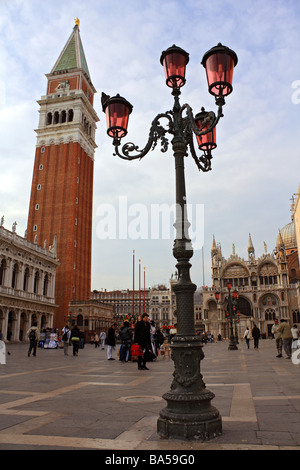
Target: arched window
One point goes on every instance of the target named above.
(296, 316)
(36, 282)
(63, 116)
(25, 280)
(56, 117)
(49, 119)
(2, 271)
(70, 115)
(79, 320)
(270, 314)
(15, 273)
(45, 287)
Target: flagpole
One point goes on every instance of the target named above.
(144, 290)
(133, 284)
(139, 287)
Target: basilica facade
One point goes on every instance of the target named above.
(268, 287)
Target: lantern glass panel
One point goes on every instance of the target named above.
(206, 141)
(219, 71)
(117, 115)
(174, 66)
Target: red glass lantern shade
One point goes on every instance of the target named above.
(228, 285)
(217, 295)
(205, 141)
(117, 111)
(235, 294)
(219, 63)
(174, 61)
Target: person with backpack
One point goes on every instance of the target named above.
(75, 339)
(126, 338)
(34, 337)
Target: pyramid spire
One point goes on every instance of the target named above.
(251, 252)
(214, 246)
(250, 245)
(72, 56)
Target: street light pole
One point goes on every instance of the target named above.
(232, 338)
(189, 413)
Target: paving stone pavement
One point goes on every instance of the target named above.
(57, 402)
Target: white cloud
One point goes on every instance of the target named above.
(255, 164)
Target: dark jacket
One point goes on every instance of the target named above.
(125, 334)
(256, 332)
(75, 333)
(142, 334)
(111, 337)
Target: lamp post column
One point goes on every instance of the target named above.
(232, 341)
(189, 413)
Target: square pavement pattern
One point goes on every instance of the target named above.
(53, 401)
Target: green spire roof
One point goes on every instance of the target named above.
(72, 55)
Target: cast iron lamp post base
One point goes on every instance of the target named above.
(189, 414)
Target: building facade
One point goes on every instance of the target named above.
(159, 302)
(90, 316)
(62, 184)
(122, 301)
(268, 286)
(27, 285)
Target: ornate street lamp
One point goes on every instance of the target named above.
(235, 314)
(189, 413)
(231, 306)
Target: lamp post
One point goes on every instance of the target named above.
(189, 413)
(231, 306)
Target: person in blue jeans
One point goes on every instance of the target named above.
(247, 337)
(125, 334)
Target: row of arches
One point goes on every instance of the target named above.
(267, 310)
(31, 280)
(239, 275)
(63, 116)
(14, 323)
(59, 117)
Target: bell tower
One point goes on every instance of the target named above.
(61, 202)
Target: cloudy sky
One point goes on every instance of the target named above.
(255, 166)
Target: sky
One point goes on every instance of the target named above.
(255, 167)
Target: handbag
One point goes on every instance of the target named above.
(136, 350)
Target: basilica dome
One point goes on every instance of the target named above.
(288, 236)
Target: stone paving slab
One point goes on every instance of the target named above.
(57, 402)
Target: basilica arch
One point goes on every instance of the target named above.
(237, 273)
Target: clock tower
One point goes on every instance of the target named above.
(61, 202)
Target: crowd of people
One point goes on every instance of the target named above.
(286, 337)
(142, 341)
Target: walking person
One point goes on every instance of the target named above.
(102, 339)
(66, 333)
(126, 338)
(287, 337)
(96, 340)
(278, 337)
(143, 338)
(75, 338)
(33, 336)
(256, 336)
(111, 341)
(247, 337)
